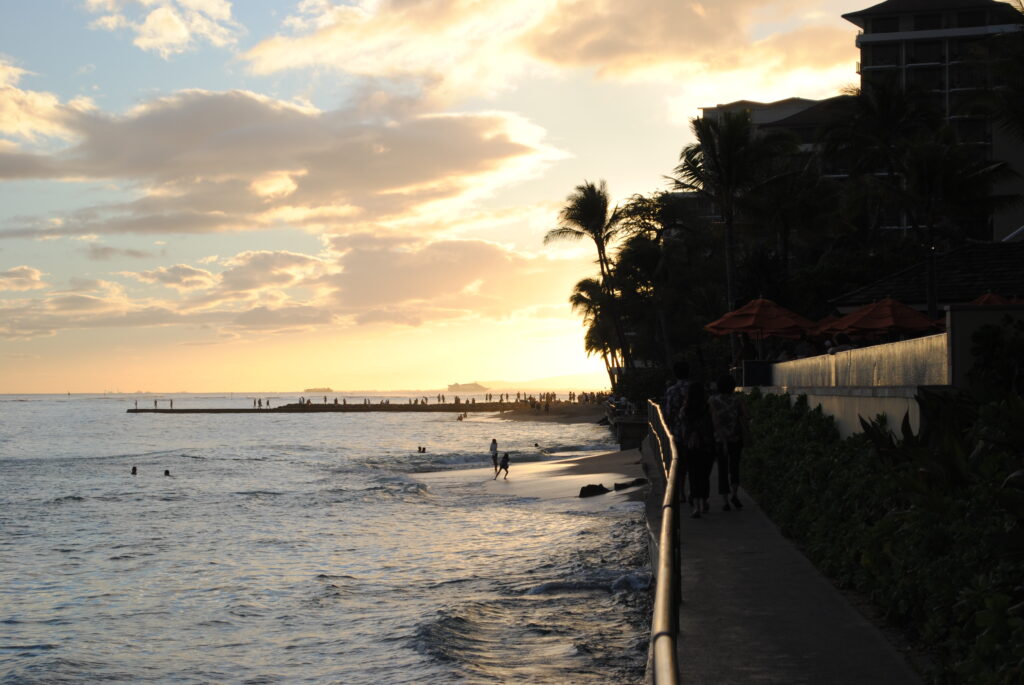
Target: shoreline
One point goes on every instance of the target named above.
(559, 479)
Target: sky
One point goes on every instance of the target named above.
(218, 195)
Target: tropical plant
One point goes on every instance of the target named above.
(590, 299)
(586, 215)
(724, 163)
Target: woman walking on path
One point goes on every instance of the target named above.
(494, 455)
(699, 446)
(731, 419)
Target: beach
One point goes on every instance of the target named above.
(555, 480)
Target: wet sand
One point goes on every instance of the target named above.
(555, 480)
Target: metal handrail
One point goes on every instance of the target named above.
(665, 615)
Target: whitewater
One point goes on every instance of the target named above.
(303, 548)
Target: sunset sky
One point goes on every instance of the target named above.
(202, 195)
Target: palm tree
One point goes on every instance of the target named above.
(945, 187)
(793, 202)
(586, 215)
(589, 299)
(723, 165)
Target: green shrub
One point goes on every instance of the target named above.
(929, 527)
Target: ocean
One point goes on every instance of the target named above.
(291, 548)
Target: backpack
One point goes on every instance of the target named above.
(727, 409)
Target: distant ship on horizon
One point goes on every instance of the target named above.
(467, 387)
(317, 390)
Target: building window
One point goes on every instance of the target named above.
(927, 78)
(886, 79)
(968, 76)
(964, 104)
(882, 55)
(885, 24)
(926, 51)
(968, 19)
(971, 130)
(927, 22)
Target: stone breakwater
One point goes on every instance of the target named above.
(297, 408)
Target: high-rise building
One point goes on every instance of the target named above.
(935, 48)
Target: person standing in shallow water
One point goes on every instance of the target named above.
(502, 467)
(494, 455)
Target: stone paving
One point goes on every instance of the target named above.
(754, 610)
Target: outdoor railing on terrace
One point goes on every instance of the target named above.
(921, 361)
(665, 616)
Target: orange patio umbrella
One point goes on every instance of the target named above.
(761, 317)
(884, 316)
(824, 325)
(990, 299)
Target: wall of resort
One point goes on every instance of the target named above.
(884, 379)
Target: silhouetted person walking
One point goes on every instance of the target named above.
(730, 417)
(699, 445)
(502, 467)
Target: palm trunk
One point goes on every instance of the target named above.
(620, 333)
(730, 272)
(608, 369)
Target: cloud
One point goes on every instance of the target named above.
(28, 114)
(181, 277)
(439, 45)
(205, 162)
(22, 278)
(452, 48)
(357, 280)
(412, 284)
(102, 253)
(289, 317)
(170, 28)
(255, 270)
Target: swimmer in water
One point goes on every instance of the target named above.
(167, 472)
(135, 470)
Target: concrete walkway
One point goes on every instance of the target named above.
(754, 610)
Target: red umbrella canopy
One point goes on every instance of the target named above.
(884, 316)
(990, 299)
(762, 317)
(824, 326)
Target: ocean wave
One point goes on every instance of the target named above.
(566, 586)
(67, 498)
